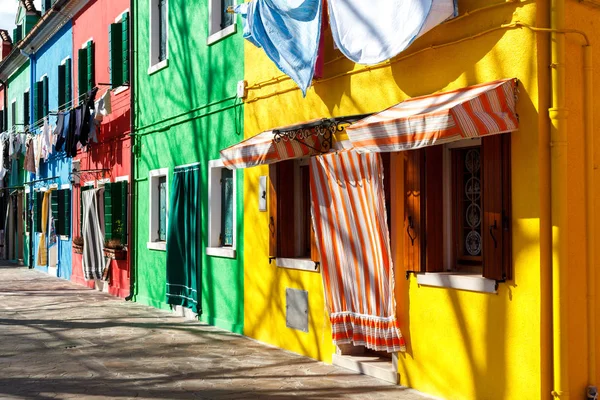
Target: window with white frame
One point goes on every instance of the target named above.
(159, 209)
(221, 23)
(159, 34)
(221, 210)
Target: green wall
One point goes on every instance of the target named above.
(186, 113)
(18, 82)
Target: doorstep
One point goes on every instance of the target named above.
(370, 365)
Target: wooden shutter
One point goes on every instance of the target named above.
(123, 192)
(64, 212)
(38, 104)
(272, 210)
(25, 109)
(497, 247)
(125, 46)
(61, 86)
(82, 66)
(68, 87)
(44, 97)
(286, 243)
(434, 209)
(118, 205)
(226, 236)
(108, 211)
(414, 210)
(115, 53)
(91, 76)
(54, 207)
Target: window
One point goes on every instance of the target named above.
(159, 209)
(221, 23)
(292, 241)
(119, 50)
(86, 68)
(159, 34)
(26, 109)
(221, 210)
(37, 210)
(40, 99)
(61, 211)
(457, 208)
(115, 211)
(64, 84)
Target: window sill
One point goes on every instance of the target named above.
(64, 237)
(226, 252)
(222, 34)
(159, 246)
(473, 283)
(158, 66)
(304, 264)
(120, 89)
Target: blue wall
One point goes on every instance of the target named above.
(46, 62)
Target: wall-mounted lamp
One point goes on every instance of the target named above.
(262, 193)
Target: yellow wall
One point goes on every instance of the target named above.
(461, 345)
(584, 17)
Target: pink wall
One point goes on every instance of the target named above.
(113, 152)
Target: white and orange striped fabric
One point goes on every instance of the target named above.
(350, 224)
(262, 149)
(470, 112)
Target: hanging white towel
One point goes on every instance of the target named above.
(2, 144)
(370, 32)
(103, 106)
(46, 140)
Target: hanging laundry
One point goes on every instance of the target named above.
(37, 152)
(42, 252)
(85, 123)
(93, 233)
(288, 32)
(60, 120)
(46, 138)
(74, 132)
(29, 164)
(2, 168)
(94, 124)
(103, 106)
(370, 32)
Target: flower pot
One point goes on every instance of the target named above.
(115, 254)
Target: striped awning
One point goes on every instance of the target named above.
(471, 112)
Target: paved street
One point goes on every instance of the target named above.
(59, 340)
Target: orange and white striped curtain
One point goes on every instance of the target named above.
(350, 223)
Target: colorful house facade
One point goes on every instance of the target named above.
(101, 62)
(475, 326)
(187, 66)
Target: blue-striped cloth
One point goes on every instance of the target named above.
(288, 31)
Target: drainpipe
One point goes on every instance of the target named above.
(590, 167)
(131, 196)
(559, 183)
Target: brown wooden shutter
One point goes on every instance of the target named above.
(286, 243)
(414, 207)
(272, 210)
(496, 229)
(434, 204)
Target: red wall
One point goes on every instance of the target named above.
(113, 152)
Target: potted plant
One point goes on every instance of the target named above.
(78, 244)
(113, 248)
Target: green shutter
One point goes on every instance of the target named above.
(125, 46)
(39, 101)
(108, 211)
(54, 207)
(25, 109)
(37, 225)
(82, 65)
(68, 87)
(61, 86)
(91, 78)
(123, 202)
(226, 207)
(45, 96)
(63, 225)
(115, 54)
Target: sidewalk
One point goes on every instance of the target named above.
(62, 341)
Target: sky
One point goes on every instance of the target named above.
(8, 9)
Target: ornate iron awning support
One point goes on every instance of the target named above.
(86, 175)
(324, 128)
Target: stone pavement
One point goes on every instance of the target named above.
(59, 340)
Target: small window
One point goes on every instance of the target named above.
(40, 100)
(292, 236)
(61, 211)
(64, 84)
(221, 210)
(13, 114)
(159, 33)
(458, 209)
(159, 209)
(221, 22)
(115, 211)
(26, 109)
